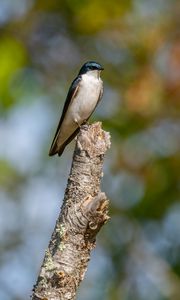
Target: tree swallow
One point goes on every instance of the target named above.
(83, 96)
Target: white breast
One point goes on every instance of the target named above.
(81, 106)
(88, 94)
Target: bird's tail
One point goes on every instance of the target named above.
(58, 149)
(55, 150)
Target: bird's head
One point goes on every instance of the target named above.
(90, 66)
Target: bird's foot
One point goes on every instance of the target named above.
(77, 123)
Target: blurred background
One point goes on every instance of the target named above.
(42, 46)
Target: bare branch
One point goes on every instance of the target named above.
(83, 212)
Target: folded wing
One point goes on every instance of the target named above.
(57, 146)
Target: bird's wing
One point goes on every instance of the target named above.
(72, 136)
(70, 96)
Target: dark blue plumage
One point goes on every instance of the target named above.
(89, 66)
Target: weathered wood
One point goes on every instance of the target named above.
(83, 212)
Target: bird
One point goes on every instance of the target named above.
(83, 96)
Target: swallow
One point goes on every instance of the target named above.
(83, 96)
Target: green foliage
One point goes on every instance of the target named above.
(12, 57)
(9, 177)
(93, 15)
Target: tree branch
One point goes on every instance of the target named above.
(83, 212)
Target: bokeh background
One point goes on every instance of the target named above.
(42, 46)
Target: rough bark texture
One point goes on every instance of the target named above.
(83, 212)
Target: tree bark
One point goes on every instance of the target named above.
(83, 212)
